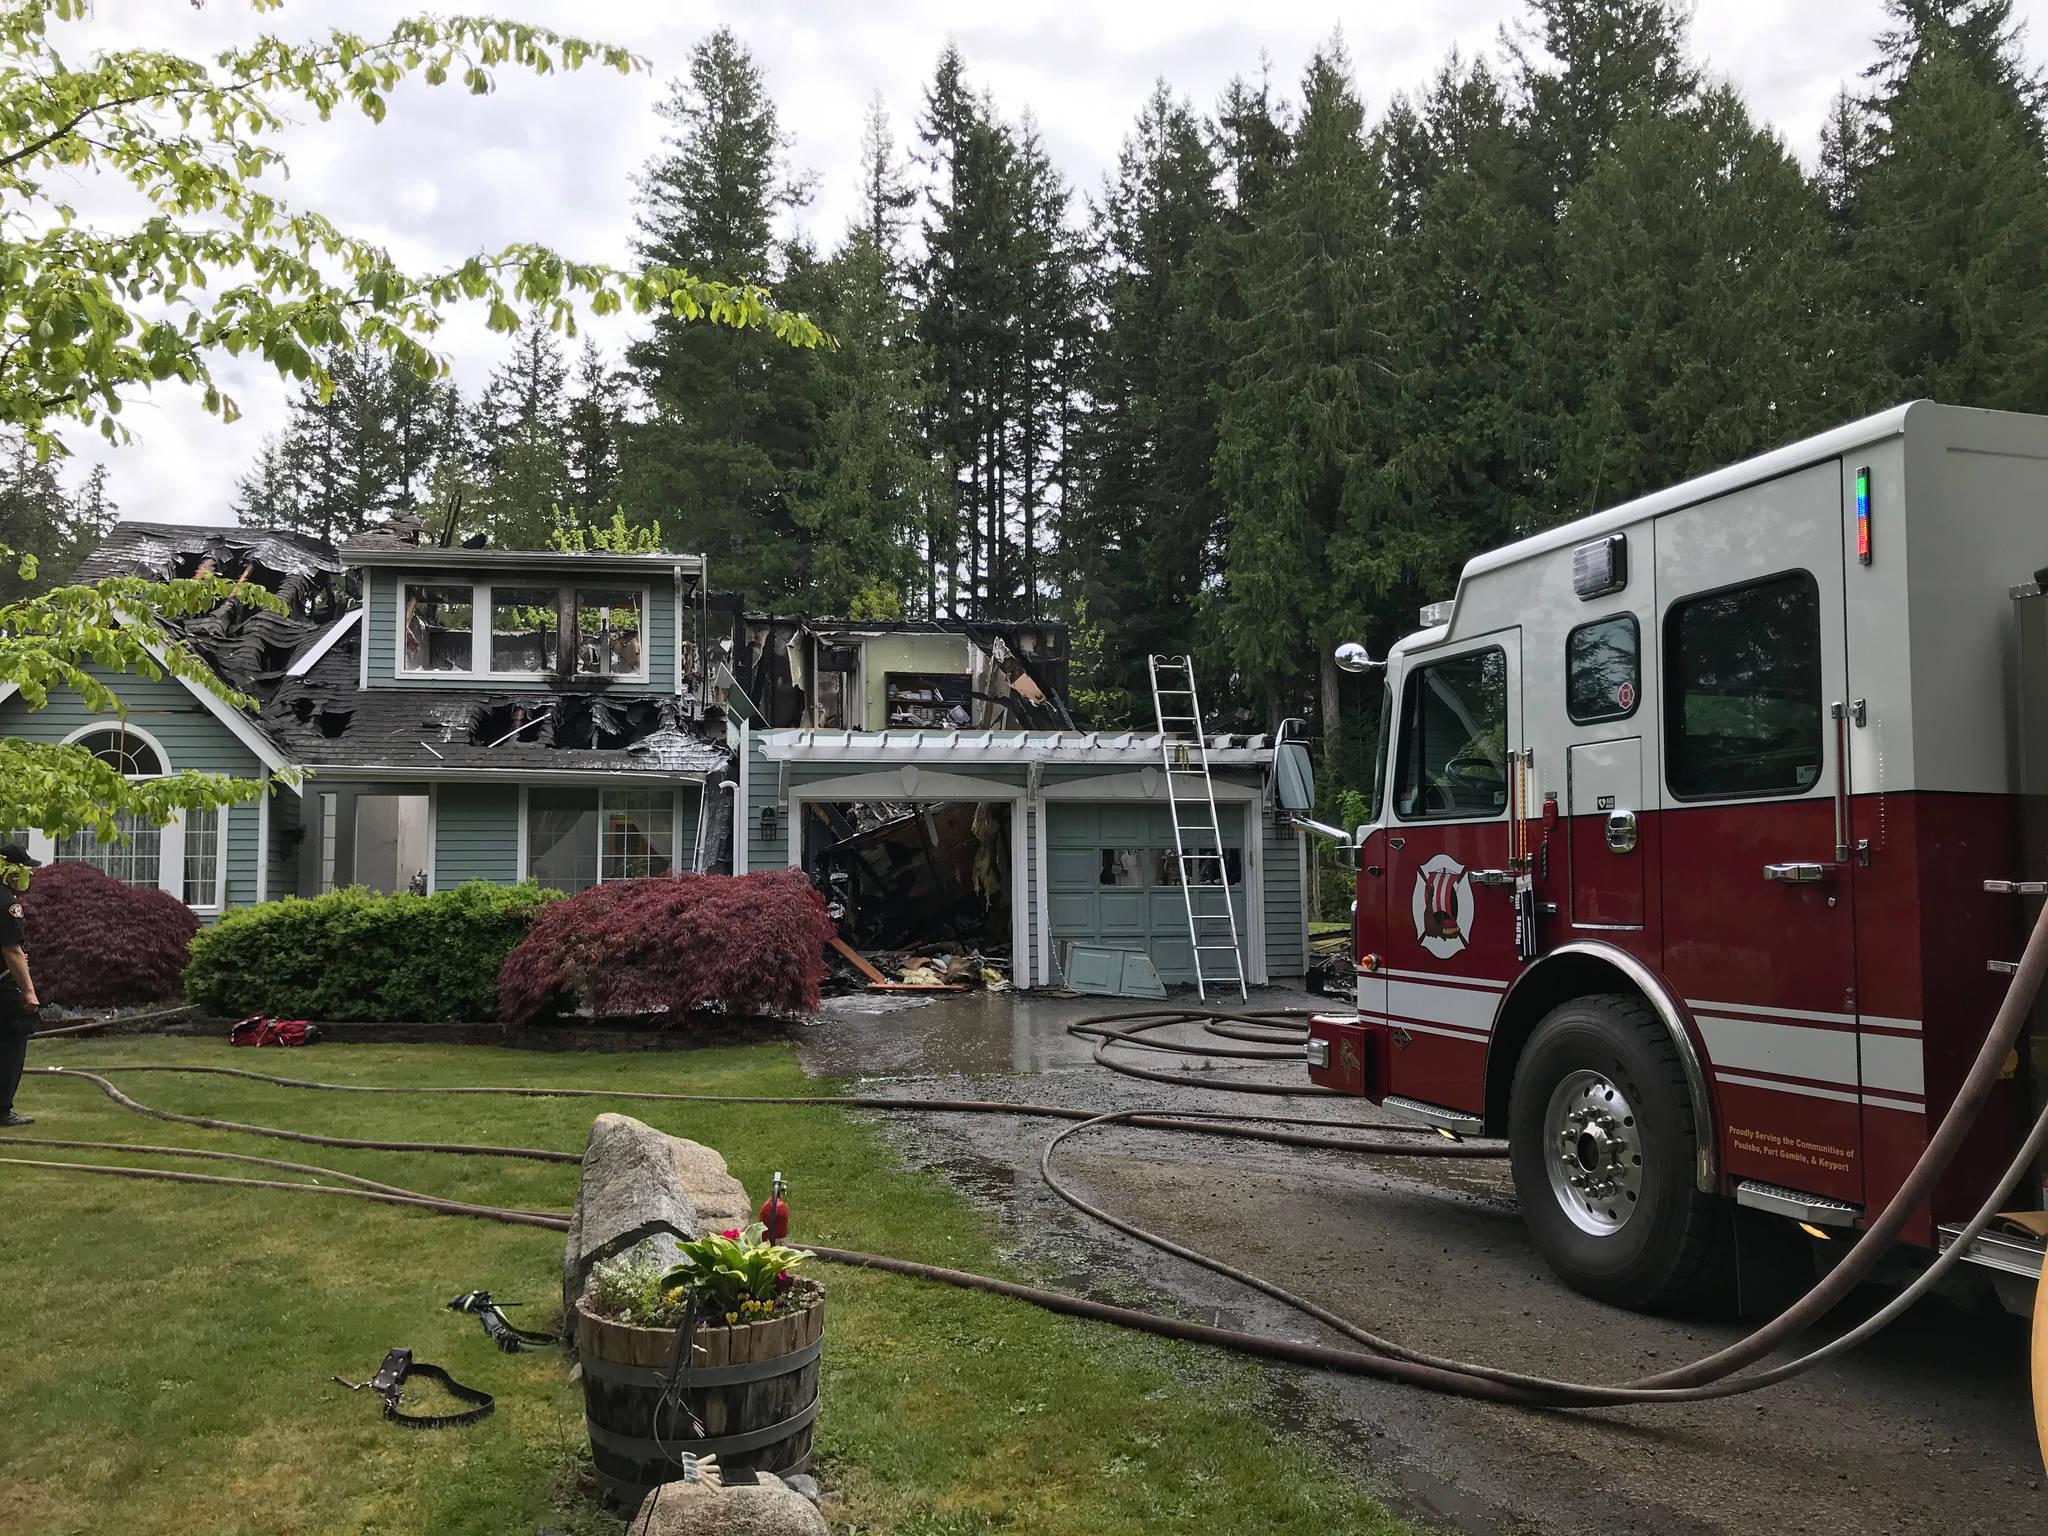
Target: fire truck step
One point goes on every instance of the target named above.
(1796, 1203)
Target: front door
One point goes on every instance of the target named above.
(1450, 915)
(1759, 936)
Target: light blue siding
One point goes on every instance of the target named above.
(242, 855)
(1286, 913)
(381, 589)
(164, 708)
(286, 815)
(476, 834)
(764, 789)
(688, 803)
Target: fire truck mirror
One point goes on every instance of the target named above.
(1294, 776)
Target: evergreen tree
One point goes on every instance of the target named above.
(370, 449)
(1691, 332)
(594, 423)
(39, 517)
(1583, 68)
(729, 419)
(1950, 220)
(1150, 537)
(1302, 403)
(520, 444)
(870, 488)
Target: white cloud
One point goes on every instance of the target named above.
(554, 160)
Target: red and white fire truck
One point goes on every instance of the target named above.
(1699, 851)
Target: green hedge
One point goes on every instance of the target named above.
(353, 954)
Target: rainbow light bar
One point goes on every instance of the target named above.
(1863, 515)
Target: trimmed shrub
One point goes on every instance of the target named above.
(96, 943)
(752, 943)
(353, 954)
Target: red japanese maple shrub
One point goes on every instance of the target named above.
(753, 943)
(96, 943)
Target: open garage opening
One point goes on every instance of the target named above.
(917, 878)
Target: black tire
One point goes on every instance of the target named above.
(1593, 1064)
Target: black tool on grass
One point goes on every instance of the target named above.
(389, 1384)
(504, 1334)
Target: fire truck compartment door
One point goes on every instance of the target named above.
(1605, 778)
(1752, 641)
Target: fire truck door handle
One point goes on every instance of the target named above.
(1798, 874)
(1492, 877)
(1621, 831)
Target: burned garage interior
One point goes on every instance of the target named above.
(454, 712)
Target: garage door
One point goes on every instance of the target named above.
(1112, 880)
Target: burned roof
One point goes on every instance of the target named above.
(167, 551)
(324, 721)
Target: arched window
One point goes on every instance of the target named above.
(135, 757)
(137, 857)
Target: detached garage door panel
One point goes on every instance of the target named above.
(1110, 881)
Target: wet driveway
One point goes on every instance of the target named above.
(1927, 1429)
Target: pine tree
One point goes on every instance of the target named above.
(594, 422)
(1151, 525)
(1582, 69)
(520, 447)
(1691, 331)
(371, 449)
(730, 416)
(1950, 220)
(1303, 397)
(40, 518)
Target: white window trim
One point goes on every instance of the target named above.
(480, 629)
(170, 850)
(676, 863)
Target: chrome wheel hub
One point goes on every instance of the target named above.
(1593, 1151)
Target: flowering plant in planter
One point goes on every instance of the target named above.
(739, 1276)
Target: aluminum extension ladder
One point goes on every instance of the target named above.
(1197, 835)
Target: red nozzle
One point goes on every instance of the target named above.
(774, 1212)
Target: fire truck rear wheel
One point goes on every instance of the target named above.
(1601, 1139)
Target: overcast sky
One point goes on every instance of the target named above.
(448, 174)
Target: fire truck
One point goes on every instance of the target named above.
(1704, 834)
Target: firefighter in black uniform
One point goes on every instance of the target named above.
(18, 1003)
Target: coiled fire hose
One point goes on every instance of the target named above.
(1713, 1376)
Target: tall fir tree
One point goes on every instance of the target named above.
(520, 445)
(730, 413)
(1149, 531)
(40, 517)
(1302, 404)
(594, 423)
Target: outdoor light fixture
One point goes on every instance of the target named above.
(768, 821)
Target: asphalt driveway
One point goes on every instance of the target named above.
(1927, 1429)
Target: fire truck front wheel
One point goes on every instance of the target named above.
(1601, 1140)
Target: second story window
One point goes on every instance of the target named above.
(525, 624)
(608, 634)
(440, 628)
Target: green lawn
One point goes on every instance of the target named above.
(167, 1361)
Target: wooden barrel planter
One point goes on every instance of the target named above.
(753, 1386)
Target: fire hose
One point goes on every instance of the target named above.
(1713, 1376)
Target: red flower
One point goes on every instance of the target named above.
(731, 1232)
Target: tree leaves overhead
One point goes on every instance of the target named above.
(224, 263)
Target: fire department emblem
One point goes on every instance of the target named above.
(1443, 906)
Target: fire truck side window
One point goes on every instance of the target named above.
(1743, 695)
(1602, 668)
(1454, 738)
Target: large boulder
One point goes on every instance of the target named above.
(630, 1193)
(720, 1199)
(768, 1508)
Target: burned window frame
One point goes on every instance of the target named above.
(410, 584)
(551, 649)
(643, 596)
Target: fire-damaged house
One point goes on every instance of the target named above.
(469, 713)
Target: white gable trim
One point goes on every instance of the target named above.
(238, 724)
(325, 643)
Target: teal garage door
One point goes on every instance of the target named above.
(1111, 879)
